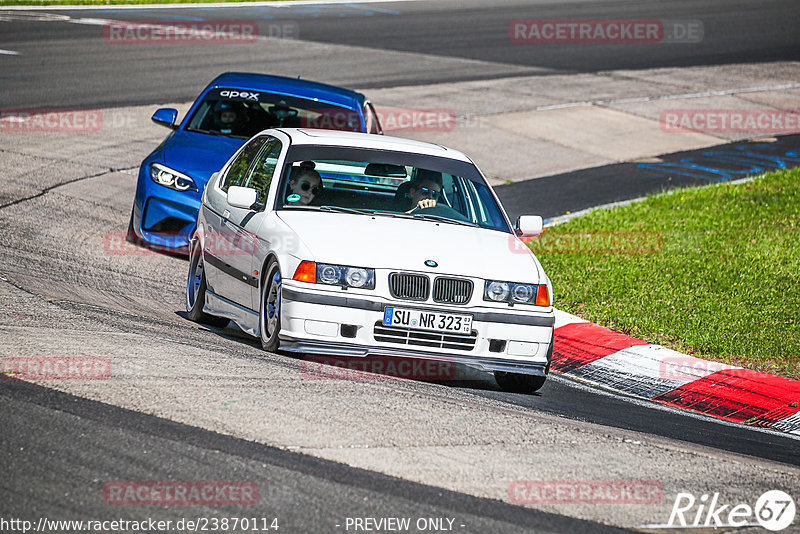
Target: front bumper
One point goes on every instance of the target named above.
(164, 219)
(329, 324)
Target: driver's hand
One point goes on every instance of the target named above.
(426, 203)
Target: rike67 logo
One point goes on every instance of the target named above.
(774, 510)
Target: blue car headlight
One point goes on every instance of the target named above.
(171, 178)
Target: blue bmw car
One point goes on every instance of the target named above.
(233, 108)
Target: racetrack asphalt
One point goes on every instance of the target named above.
(302, 492)
(552, 196)
(65, 292)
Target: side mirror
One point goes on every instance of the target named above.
(529, 225)
(165, 117)
(242, 197)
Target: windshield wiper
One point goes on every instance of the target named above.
(401, 215)
(216, 133)
(296, 207)
(439, 218)
(338, 209)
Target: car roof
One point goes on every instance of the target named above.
(288, 86)
(304, 136)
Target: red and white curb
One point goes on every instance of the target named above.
(602, 357)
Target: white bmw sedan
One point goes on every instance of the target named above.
(334, 243)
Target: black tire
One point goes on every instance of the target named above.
(131, 236)
(269, 317)
(519, 383)
(196, 292)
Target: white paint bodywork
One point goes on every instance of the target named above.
(312, 314)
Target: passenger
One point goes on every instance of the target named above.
(305, 184)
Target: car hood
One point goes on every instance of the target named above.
(394, 243)
(198, 155)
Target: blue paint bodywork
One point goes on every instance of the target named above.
(164, 218)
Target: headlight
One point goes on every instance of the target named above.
(496, 291)
(171, 178)
(342, 275)
(356, 277)
(516, 293)
(336, 275)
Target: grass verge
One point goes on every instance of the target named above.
(711, 271)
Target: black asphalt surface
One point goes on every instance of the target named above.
(59, 450)
(68, 64)
(563, 397)
(553, 196)
(82, 445)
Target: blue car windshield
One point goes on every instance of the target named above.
(242, 114)
(342, 179)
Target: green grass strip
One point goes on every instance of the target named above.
(710, 271)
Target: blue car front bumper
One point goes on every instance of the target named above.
(163, 218)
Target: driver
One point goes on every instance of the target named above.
(424, 190)
(226, 117)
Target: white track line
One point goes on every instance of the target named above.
(703, 94)
(9, 52)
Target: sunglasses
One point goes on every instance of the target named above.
(434, 194)
(305, 186)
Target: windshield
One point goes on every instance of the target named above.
(242, 114)
(396, 184)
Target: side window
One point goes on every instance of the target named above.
(263, 168)
(239, 166)
(451, 194)
(465, 195)
(371, 118)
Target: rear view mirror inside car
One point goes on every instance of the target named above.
(386, 170)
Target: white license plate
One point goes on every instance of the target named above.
(427, 320)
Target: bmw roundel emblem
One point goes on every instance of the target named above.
(431, 263)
